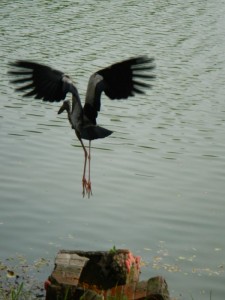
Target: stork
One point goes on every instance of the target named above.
(118, 81)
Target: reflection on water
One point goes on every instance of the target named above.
(158, 181)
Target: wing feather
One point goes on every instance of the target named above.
(119, 78)
(118, 81)
(41, 81)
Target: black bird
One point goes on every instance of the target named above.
(118, 81)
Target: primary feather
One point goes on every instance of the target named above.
(118, 81)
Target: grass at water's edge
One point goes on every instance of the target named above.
(18, 293)
(18, 280)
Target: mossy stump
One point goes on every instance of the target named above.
(96, 275)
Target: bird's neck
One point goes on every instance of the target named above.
(76, 116)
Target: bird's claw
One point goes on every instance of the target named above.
(84, 184)
(86, 187)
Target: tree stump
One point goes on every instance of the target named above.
(95, 275)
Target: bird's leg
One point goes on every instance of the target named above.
(84, 180)
(89, 191)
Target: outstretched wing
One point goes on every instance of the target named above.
(118, 81)
(41, 81)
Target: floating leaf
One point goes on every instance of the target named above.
(41, 262)
(217, 249)
(182, 257)
(147, 249)
(10, 274)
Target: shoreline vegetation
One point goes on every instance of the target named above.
(21, 280)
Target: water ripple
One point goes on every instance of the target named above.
(160, 176)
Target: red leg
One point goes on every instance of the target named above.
(84, 181)
(89, 191)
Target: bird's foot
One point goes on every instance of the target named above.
(86, 187)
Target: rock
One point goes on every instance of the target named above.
(100, 275)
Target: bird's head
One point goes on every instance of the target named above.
(65, 106)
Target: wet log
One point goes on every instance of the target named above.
(95, 275)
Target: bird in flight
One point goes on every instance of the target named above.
(118, 81)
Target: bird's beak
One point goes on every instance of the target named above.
(62, 108)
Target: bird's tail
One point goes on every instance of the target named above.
(94, 132)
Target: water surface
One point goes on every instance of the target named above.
(158, 181)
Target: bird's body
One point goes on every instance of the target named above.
(118, 81)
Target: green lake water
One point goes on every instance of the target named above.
(159, 181)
